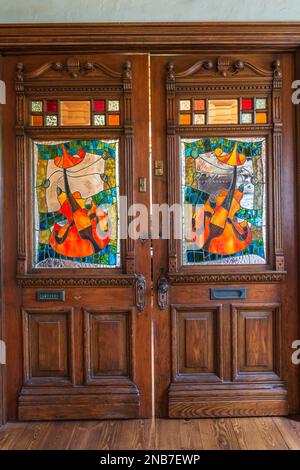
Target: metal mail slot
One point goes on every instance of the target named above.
(50, 295)
(224, 293)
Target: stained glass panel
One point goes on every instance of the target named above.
(199, 105)
(261, 118)
(261, 103)
(247, 118)
(99, 106)
(37, 106)
(76, 219)
(247, 104)
(37, 120)
(185, 119)
(113, 105)
(224, 197)
(114, 119)
(51, 120)
(199, 119)
(99, 119)
(51, 106)
(185, 105)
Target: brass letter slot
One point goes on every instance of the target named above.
(225, 293)
(50, 295)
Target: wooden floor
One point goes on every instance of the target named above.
(209, 434)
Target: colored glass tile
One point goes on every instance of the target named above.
(114, 119)
(113, 105)
(199, 105)
(99, 106)
(51, 120)
(199, 119)
(51, 106)
(261, 118)
(261, 103)
(209, 167)
(37, 120)
(99, 120)
(247, 118)
(75, 113)
(185, 105)
(87, 170)
(247, 104)
(37, 106)
(185, 119)
(223, 111)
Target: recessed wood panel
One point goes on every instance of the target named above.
(107, 344)
(256, 347)
(47, 346)
(196, 341)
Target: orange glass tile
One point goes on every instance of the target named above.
(261, 118)
(185, 119)
(36, 120)
(199, 105)
(114, 119)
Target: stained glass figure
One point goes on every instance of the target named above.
(76, 204)
(223, 191)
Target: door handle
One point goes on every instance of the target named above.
(140, 292)
(162, 292)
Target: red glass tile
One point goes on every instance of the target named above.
(51, 106)
(247, 103)
(99, 105)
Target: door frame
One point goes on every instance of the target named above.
(29, 38)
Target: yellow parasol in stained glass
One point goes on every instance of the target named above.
(233, 158)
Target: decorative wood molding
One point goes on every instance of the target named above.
(71, 66)
(104, 281)
(225, 67)
(150, 36)
(213, 278)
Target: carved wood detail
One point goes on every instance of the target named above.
(103, 281)
(207, 278)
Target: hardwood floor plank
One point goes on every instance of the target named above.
(9, 435)
(172, 434)
(31, 436)
(135, 434)
(290, 431)
(217, 434)
(258, 434)
(177, 434)
(58, 436)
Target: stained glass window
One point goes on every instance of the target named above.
(223, 191)
(76, 217)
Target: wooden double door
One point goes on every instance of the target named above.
(110, 313)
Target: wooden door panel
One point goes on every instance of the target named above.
(107, 344)
(256, 341)
(48, 347)
(197, 338)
